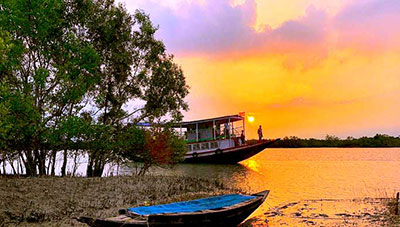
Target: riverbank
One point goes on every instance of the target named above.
(55, 201)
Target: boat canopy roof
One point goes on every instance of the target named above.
(210, 121)
(202, 123)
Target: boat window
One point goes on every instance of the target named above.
(214, 144)
(196, 147)
(205, 146)
(189, 147)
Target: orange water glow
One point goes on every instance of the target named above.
(293, 175)
(251, 164)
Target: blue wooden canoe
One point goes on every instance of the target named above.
(224, 210)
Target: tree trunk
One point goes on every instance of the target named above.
(75, 163)
(12, 166)
(48, 167)
(20, 161)
(18, 173)
(97, 167)
(64, 165)
(102, 168)
(41, 162)
(143, 170)
(30, 166)
(53, 163)
(89, 170)
(4, 168)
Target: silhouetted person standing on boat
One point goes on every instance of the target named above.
(242, 138)
(260, 134)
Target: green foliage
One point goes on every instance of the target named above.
(153, 146)
(135, 67)
(5, 123)
(130, 143)
(178, 145)
(68, 71)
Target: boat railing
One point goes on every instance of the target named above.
(236, 132)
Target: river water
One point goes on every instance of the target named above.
(296, 174)
(308, 174)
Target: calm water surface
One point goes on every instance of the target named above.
(309, 173)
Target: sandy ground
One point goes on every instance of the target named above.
(326, 212)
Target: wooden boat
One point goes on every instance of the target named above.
(218, 140)
(225, 210)
(229, 155)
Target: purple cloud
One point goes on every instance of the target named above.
(217, 27)
(214, 27)
(310, 29)
(369, 23)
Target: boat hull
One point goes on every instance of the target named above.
(229, 155)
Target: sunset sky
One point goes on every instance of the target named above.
(301, 68)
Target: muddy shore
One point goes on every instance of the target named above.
(328, 212)
(55, 201)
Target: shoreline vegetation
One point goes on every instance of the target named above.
(379, 140)
(392, 212)
(56, 201)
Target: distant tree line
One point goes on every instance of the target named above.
(379, 140)
(76, 76)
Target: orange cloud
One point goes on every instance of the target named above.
(346, 94)
(316, 68)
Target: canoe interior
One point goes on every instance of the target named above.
(210, 203)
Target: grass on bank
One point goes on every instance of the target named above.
(392, 219)
(55, 201)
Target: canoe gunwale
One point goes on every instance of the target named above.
(208, 211)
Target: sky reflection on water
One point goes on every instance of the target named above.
(316, 173)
